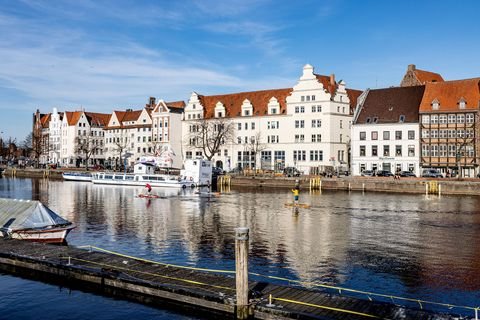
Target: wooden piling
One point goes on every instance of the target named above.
(241, 268)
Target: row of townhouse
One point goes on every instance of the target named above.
(316, 125)
(427, 122)
(78, 138)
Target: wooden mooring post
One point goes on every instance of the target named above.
(241, 272)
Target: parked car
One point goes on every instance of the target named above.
(384, 173)
(407, 174)
(367, 173)
(431, 173)
(291, 172)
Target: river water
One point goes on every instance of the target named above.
(413, 246)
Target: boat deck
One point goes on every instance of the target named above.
(184, 286)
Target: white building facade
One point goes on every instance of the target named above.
(307, 126)
(385, 132)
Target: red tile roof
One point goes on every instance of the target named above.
(331, 87)
(353, 96)
(45, 119)
(176, 104)
(449, 93)
(233, 102)
(73, 117)
(123, 116)
(427, 76)
(387, 105)
(260, 99)
(98, 119)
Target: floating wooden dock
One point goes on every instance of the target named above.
(147, 281)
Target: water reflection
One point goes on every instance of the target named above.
(407, 245)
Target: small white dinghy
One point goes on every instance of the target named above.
(31, 220)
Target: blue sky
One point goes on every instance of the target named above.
(106, 55)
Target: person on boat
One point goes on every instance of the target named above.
(149, 187)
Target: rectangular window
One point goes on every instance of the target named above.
(386, 135)
(363, 135)
(253, 126)
(239, 126)
(469, 117)
(386, 151)
(425, 119)
(297, 109)
(442, 119)
(452, 118)
(362, 151)
(411, 135)
(302, 109)
(398, 151)
(374, 135)
(316, 138)
(398, 135)
(316, 155)
(434, 119)
(411, 151)
(374, 151)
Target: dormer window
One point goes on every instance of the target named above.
(375, 119)
(401, 119)
(462, 103)
(435, 104)
(247, 108)
(219, 115)
(369, 120)
(273, 106)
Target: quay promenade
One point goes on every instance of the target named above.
(445, 186)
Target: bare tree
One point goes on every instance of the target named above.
(86, 146)
(209, 135)
(255, 146)
(120, 142)
(38, 146)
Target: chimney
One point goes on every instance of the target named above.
(332, 79)
(152, 101)
(411, 67)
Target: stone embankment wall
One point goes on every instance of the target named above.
(369, 184)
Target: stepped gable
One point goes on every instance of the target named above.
(448, 94)
(328, 83)
(233, 102)
(387, 105)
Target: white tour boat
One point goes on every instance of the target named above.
(31, 220)
(77, 176)
(143, 174)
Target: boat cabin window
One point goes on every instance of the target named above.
(118, 178)
(108, 177)
(128, 178)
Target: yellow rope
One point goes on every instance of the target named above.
(325, 307)
(156, 262)
(149, 273)
(303, 283)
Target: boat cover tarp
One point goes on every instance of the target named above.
(27, 214)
